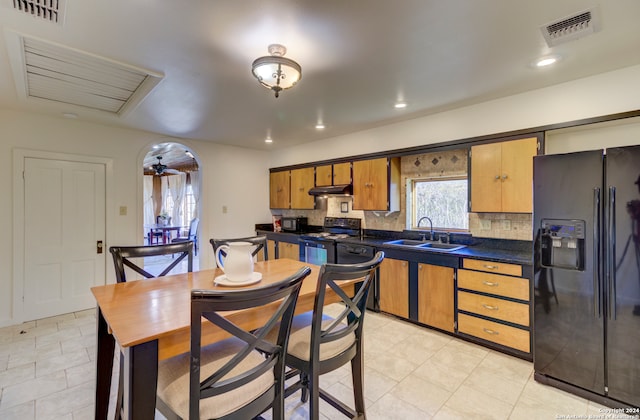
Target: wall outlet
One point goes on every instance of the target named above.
(506, 224)
(123, 210)
(485, 224)
(224, 209)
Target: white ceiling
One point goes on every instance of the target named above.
(358, 58)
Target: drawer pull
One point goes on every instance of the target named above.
(492, 332)
(490, 283)
(491, 267)
(490, 307)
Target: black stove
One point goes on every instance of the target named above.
(337, 228)
(320, 247)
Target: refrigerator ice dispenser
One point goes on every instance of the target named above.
(562, 243)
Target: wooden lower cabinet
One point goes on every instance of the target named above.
(394, 287)
(271, 246)
(436, 296)
(496, 332)
(285, 250)
(504, 310)
(288, 250)
(494, 303)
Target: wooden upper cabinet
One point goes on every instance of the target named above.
(279, 190)
(342, 173)
(376, 184)
(502, 176)
(302, 180)
(336, 174)
(324, 176)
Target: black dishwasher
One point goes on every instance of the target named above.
(357, 253)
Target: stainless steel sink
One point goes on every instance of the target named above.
(441, 247)
(435, 246)
(405, 242)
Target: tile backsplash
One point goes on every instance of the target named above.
(501, 225)
(444, 163)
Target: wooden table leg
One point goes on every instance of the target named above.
(140, 381)
(104, 366)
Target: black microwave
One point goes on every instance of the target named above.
(294, 224)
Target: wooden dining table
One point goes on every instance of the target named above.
(166, 231)
(150, 321)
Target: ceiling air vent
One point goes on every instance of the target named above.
(53, 72)
(571, 27)
(48, 10)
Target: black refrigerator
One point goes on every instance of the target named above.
(586, 226)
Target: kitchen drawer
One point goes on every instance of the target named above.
(493, 267)
(505, 310)
(512, 287)
(495, 332)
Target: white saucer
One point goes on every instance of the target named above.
(224, 281)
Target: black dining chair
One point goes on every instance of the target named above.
(320, 343)
(242, 376)
(192, 235)
(260, 243)
(123, 258)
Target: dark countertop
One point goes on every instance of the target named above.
(509, 251)
(515, 255)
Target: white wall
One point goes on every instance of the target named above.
(607, 93)
(592, 137)
(231, 176)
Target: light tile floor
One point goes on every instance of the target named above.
(47, 371)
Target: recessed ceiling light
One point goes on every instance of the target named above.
(319, 126)
(400, 105)
(268, 140)
(70, 115)
(546, 61)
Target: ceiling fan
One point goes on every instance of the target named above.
(161, 169)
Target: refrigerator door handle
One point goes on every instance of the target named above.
(597, 307)
(611, 252)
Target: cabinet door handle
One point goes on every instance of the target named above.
(490, 307)
(497, 176)
(504, 176)
(490, 283)
(492, 332)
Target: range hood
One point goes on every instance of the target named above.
(331, 190)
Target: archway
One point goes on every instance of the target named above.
(171, 193)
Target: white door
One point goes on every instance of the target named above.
(64, 220)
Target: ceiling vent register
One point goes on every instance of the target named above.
(571, 27)
(48, 10)
(57, 73)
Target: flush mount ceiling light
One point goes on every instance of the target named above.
(276, 72)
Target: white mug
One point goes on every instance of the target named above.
(238, 264)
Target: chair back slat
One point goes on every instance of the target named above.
(123, 256)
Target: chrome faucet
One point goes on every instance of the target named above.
(430, 227)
